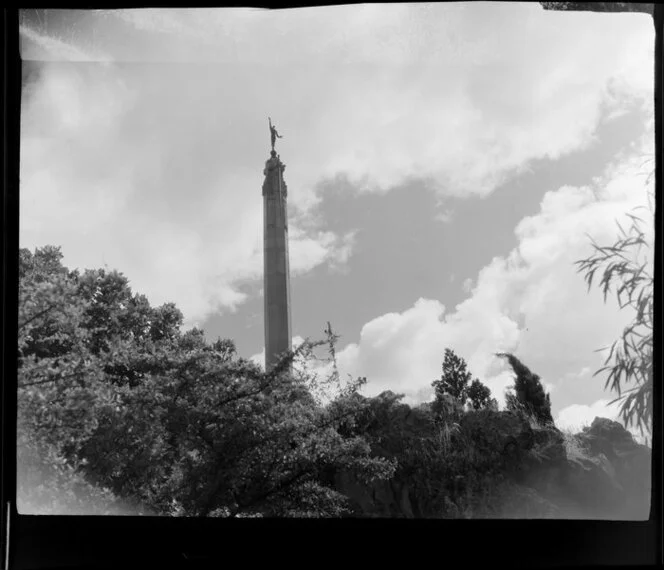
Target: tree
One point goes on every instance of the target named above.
(455, 378)
(60, 387)
(111, 387)
(226, 439)
(529, 394)
(625, 268)
(479, 395)
(454, 388)
(59, 378)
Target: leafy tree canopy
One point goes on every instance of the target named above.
(125, 400)
(479, 395)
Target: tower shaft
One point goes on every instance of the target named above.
(276, 279)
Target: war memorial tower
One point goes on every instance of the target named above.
(276, 279)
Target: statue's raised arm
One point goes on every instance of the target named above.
(274, 135)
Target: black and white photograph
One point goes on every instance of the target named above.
(354, 261)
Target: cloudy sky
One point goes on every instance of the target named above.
(444, 164)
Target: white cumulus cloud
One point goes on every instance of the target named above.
(155, 168)
(536, 286)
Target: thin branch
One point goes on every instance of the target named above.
(39, 314)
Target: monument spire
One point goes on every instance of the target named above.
(276, 279)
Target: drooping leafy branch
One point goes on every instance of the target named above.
(625, 268)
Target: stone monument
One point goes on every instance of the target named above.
(276, 279)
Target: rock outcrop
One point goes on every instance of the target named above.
(628, 462)
(539, 472)
(600, 473)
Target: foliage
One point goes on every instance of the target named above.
(455, 377)
(625, 269)
(479, 395)
(48, 483)
(447, 473)
(118, 406)
(453, 390)
(323, 382)
(59, 378)
(529, 394)
(112, 391)
(458, 476)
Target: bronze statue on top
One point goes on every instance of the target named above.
(273, 133)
